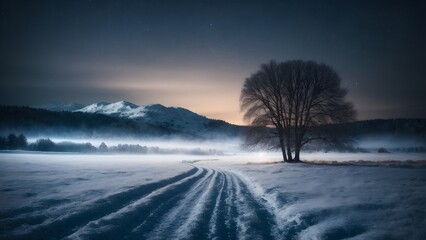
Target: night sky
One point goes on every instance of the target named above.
(196, 54)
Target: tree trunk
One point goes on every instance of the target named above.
(296, 154)
(284, 155)
(289, 157)
(282, 145)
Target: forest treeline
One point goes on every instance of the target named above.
(19, 142)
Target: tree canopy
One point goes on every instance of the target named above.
(284, 100)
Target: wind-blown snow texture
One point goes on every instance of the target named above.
(53, 196)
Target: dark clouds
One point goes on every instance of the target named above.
(196, 54)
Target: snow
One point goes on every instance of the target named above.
(117, 109)
(335, 202)
(93, 108)
(120, 109)
(239, 196)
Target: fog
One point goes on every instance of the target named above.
(365, 149)
(162, 145)
(374, 142)
(223, 144)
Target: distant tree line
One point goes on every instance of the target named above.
(47, 145)
(13, 142)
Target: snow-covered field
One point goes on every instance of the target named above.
(244, 196)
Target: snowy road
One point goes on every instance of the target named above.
(202, 203)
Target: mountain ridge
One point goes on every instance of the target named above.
(125, 118)
(170, 120)
(175, 118)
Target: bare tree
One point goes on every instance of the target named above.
(287, 99)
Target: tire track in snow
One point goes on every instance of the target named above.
(220, 206)
(170, 208)
(214, 221)
(66, 225)
(120, 223)
(256, 217)
(227, 224)
(186, 215)
(203, 203)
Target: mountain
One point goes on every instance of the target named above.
(174, 118)
(57, 107)
(119, 118)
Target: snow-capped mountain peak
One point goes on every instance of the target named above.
(118, 107)
(154, 114)
(123, 104)
(93, 108)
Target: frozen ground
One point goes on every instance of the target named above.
(54, 196)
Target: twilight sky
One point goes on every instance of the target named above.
(196, 54)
